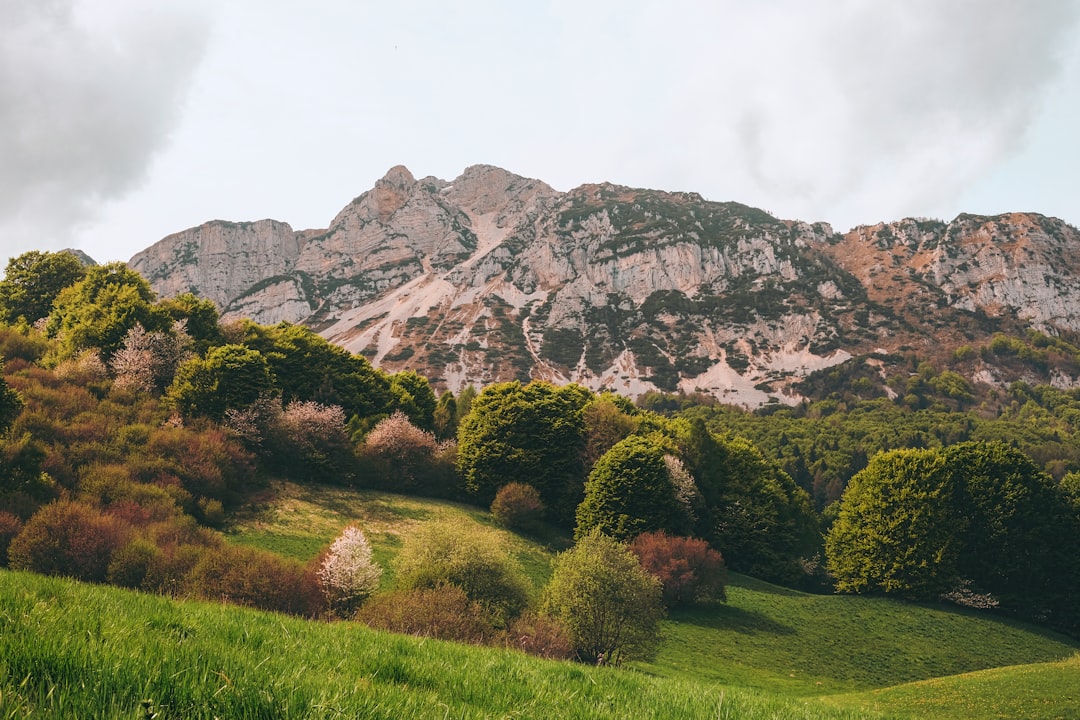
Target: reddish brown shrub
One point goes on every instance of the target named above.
(253, 577)
(406, 459)
(10, 526)
(688, 568)
(539, 635)
(517, 506)
(443, 612)
(69, 538)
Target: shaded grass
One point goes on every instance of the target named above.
(1043, 691)
(73, 650)
(800, 644)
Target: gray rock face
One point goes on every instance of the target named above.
(492, 276)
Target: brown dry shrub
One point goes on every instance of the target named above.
(443, 612)
(69, 538)
(517, 506)
(539, 635)
(10, 526)
(256, 578)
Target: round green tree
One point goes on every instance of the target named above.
(33, 280)
(609, 604)
(629, 492)
(229, 377)
(898, 530)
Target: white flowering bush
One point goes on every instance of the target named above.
(348, 574)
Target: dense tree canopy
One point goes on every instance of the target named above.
(33, 280)
(629, 492)
(919, 523)
(229, 377)
(98, 311)
(525, 433)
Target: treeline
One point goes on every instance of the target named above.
(130, 426)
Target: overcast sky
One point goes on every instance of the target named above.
(122, 121)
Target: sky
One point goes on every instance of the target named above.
(122, 121)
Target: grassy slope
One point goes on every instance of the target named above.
(72, 650)
(764, 637)
(1042, 691)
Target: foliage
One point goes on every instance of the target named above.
(348, 574)
(605, 425)
(407, 459)
(445, 416)
(477, 562)
(539, 635)
(441, 611)
(33, 280)
(894, 531)
(532, 434)
(10, 526)
(413, 395)
(200, 318)
(920, 523)
(98, 311)
(609, 604)
(688, 569)
(517, 506)
(147, 361)
(11, 404)
(229, 377)
(252, 577)
(68, 538)
(754, 514)
(629, 491)
(306, 366)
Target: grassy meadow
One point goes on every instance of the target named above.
(72, 650)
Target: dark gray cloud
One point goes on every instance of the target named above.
(89, 91)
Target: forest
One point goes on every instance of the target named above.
(133, 428)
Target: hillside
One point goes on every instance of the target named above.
(768, 652)
(493, 276)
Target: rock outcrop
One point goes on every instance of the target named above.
(493, 276)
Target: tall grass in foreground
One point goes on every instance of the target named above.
(71, 650)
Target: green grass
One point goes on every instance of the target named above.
(1043, 691)
(299, 521)
(782, 640)
(69, 650)
(72, 650)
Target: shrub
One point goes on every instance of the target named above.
(517, 506)
(10, 526)
(68, 538)
(253, 577)
(474, 560)
(405, 458)
(609, 604)
(539, 635)
(348, 574)
(131, 564)
(689, 570)
(443, 612)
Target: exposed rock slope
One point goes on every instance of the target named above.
(493, 276)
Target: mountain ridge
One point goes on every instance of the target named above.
(493, 276)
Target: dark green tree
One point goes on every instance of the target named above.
(611, 606)
(308, 367)
(11, 404)
(895, 532)
(200, 317)
(525, 433)
(445, 416)
(229, 377)
(413, 395)
(629, 492)
(33, 280)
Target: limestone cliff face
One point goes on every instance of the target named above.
(492, 276)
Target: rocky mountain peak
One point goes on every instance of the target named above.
(493, 276)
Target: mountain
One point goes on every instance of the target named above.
(493, 276)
